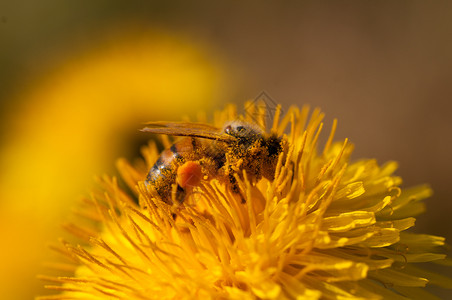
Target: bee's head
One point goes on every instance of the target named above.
(243, 130)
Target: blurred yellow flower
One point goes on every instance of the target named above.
(325, 227)
(71, 123)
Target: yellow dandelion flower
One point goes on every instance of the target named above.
(324, 227)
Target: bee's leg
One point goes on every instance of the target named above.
(179, 197)
(235, 187)
(293, 171)
(180, 194)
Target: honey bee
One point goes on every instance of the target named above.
(206, 152)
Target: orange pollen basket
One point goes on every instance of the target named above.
(189, 174)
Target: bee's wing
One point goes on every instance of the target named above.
(199, 130)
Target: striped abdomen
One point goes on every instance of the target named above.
(163, 173)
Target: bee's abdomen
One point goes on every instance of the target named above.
(162, 165)
(163, 173)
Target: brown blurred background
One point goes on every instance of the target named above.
(383, 69)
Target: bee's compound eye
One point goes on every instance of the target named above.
(227, 129)
(240, 128)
